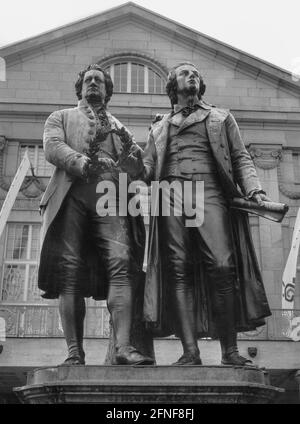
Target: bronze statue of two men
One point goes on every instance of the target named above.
(201, 280)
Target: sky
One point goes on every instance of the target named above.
(267, 29)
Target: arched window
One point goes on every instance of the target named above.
(134, 77)
(21, 250)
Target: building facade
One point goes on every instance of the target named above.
(138, 47)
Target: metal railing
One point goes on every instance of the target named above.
(43, 321)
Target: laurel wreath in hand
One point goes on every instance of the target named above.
(94, 167)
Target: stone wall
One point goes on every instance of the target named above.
(48, 76)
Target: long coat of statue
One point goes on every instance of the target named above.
(236, 171)
(67, 134)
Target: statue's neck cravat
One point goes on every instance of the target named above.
(186, 110)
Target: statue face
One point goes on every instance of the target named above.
(188, 80)
(93, 86)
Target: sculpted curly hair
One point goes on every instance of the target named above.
(108, 82)
(171, 87)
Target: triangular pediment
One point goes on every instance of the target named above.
(160, 29)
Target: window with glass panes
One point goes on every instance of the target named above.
(42, 168)
(156, 84)
(19, 275)
(133, 77)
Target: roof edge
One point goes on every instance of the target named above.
(237, 57)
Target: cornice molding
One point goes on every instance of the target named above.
(266, 156)
(41, 111)
(269, 157)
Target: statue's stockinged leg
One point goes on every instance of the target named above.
(225, 319)
(178, 263)
(72, 313)
(119, 304)
(186, 324)
(114, 242)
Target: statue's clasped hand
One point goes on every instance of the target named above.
(98, 166)
(106, 164)
(132, 163)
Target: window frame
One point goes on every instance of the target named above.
(129, 77)
(47, 168)
(27, 262)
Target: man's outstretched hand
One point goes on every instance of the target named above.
(94, 168)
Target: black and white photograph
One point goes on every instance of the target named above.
(150, 205)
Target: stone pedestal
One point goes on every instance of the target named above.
(147, 384)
